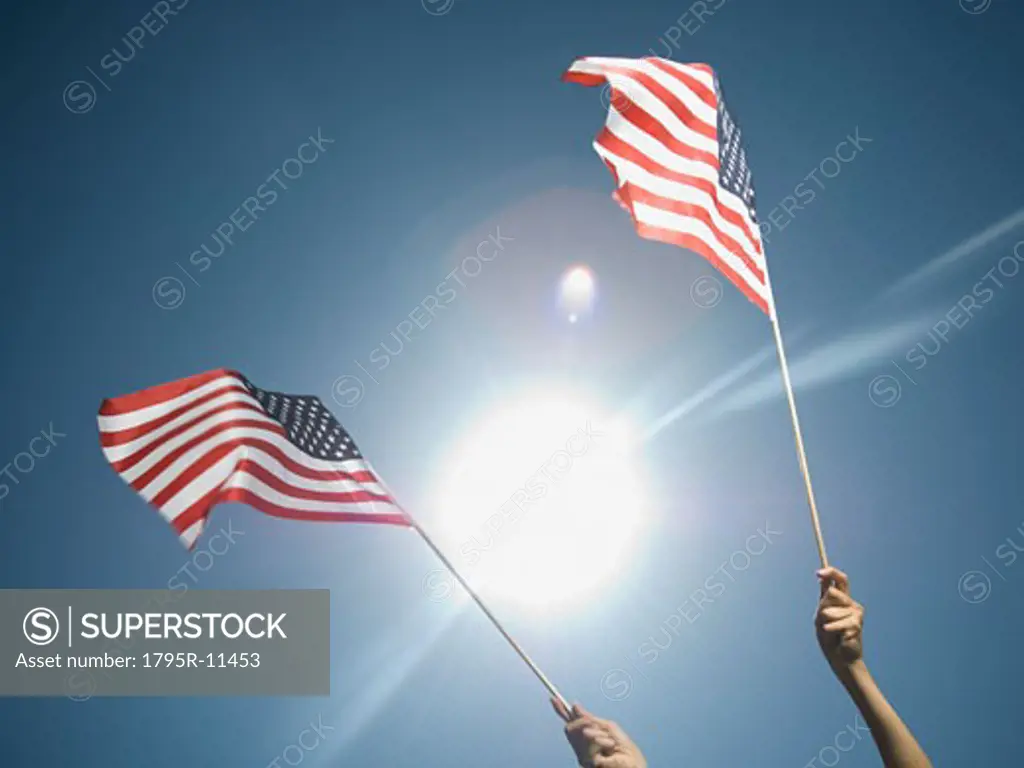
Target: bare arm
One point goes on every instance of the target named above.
(896, 744)
(840, 622)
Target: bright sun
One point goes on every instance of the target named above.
(542, 501)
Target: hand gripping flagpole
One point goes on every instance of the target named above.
(801, 454)
(483, 607)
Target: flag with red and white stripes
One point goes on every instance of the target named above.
(679, 167)
(189, 445)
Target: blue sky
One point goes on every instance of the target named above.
(440, 129)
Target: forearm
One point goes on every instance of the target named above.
(897, 745)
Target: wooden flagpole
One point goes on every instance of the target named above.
(801, 454)
(487, 612)
(476, 598)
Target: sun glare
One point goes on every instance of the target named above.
(578, 282)
(577, 291)
(542, 503)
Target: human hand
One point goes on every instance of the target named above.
(598, 743)
(839, 621)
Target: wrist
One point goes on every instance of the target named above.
(855, 675)
(860, 686)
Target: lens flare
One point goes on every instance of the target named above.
(577, 292)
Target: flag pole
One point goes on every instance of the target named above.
(483, 607)
(497, 624)
(801, 454)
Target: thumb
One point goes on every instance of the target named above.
(560, 710)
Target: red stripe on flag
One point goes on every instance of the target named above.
(313, 461)
(620, 148)
(202, 508)
(681, 140)
(640, 195)
(666, 97)
(701, 248)
(153, 472)
(161, 393)
(701, 91)
(650, 125)
(122, 436)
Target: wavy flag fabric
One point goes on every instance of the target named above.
(189, 445)
(679, 166)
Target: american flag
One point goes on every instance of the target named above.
(679, 166)
(189, 445)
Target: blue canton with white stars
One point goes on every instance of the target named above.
(734, 174)
(309, 425)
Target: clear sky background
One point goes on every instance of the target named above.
(444, 128)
